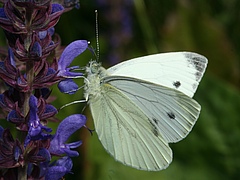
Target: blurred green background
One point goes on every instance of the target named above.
(135, 28)
(130, 29)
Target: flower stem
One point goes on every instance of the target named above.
(30, 76)
(22, 172)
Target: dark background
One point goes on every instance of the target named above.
(133, 28)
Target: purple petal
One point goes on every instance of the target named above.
(2, 13)
(56, 8)
(11, 57)
(43, 166)
(33, 102)
(33, 108)
(68, 86)
(50, 71)
(70, 146)
(1, 132)
(62, 167)
(70, 52)
(69, 73)
(70, 153)
(42, 34)
(66, 162)
(65, 129)
(55, 173)
(17, 153)
(13, 117)
(74, 144)
(34, 129)
(2, 102)
(51, 31)
(69, 125)
(36, 49)
(49, 111)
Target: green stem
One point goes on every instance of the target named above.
(30, 75)
(22, 173)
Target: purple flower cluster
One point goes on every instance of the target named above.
(27, 72)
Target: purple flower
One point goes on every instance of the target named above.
(43, 166)
(11, 151)
(43, 34)
(65, 129)
(70, 52)
(61, 167)
(36, 129)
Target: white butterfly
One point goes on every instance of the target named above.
(141, 105)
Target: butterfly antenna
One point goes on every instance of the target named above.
(97, 35)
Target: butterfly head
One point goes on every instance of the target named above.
(94, 68)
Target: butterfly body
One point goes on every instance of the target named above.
(141, 105)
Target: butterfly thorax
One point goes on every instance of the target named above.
(95, 73)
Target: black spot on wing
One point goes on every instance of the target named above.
(177, 84)
(171, 115)
(155, 120)
(154, 128)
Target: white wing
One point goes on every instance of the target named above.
(127, 133)
(173, 112)
(179, 70)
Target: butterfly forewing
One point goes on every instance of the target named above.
(127, 133)
(178, 70)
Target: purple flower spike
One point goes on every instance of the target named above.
(70, 52)
(65, 129)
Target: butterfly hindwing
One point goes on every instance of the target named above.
(127, 133)
(173, 112)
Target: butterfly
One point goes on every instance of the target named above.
(141, 105)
